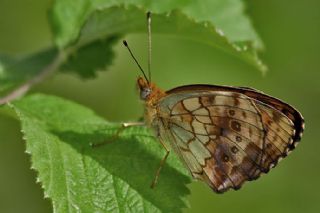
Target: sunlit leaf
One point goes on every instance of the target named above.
(115, 177)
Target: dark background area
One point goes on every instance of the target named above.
(290, 31)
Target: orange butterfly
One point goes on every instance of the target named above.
(224, 135)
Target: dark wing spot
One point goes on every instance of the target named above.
(238, 138)
(276, 116)
(275, 137)
(225, 158)
(244, 114)
(212, 99)
(253, 151)
(207, 100)
(286, 112)
(222, 131)
(234, 149)
(235, 125)
(232, 112)
(250, 168)
(236, 100)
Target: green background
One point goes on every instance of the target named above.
(290, 31)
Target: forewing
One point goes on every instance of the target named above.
(225, 137)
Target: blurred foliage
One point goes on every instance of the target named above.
(292, 46)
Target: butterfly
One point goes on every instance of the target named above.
(224, 135)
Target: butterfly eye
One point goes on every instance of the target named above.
(144, 93)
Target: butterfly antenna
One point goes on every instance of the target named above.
(125, 43)
(149, 43)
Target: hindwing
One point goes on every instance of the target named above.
(228, 135)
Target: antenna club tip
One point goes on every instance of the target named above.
(125, 43)
(148, 14)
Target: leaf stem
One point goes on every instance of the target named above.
(25, 87)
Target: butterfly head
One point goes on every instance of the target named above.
(145, 88)
(149, 91)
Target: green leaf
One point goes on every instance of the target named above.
(90, 58)
(115, 177)
(219, 23)
(227, 15)
(16, 71)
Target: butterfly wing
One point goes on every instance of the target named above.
(228, 135)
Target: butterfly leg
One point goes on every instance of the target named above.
(116, 135)
(155, 180)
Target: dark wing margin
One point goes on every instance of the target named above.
(293, 114)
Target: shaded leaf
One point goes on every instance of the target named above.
(92, 57)
(15, 71)
(112, 178)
